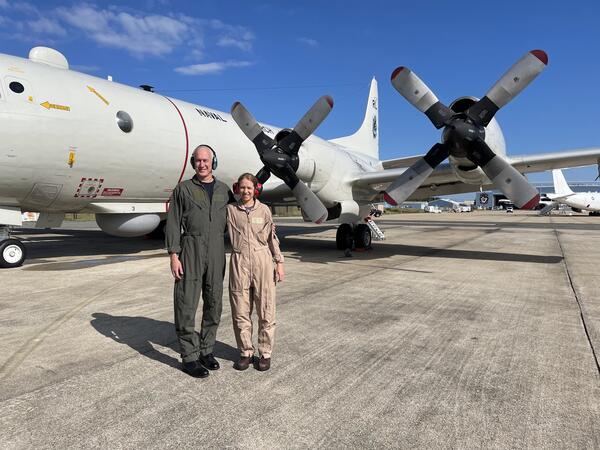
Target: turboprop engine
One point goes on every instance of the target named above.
(464, 169)
(465, 139)
(128, 225)
(280, 155)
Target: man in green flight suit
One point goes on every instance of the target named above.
(196, 223)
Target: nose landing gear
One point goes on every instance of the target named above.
(12, 251)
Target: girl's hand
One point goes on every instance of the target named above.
(279, 272)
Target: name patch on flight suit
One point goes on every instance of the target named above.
(258, 220)
(199, 195)
(218, 198)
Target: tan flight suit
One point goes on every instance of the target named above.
(255, 248)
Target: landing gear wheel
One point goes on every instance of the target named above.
(362, 236)
(343, 237)
(12, 253)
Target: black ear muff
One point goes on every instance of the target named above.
(214, 164)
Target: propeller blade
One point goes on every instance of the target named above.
(307, 125)
(278, 162)
(310, 203)
(251, 128)
(504, 176)
(509, 86)
(263, 175)
(407, 183)
(420, 96)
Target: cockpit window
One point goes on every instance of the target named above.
(16, 87)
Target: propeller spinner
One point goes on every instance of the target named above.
(464, 133)
(280, 155)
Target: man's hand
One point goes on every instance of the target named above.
(176, 267)
(279, 272)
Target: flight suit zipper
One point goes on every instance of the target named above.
(248, 228)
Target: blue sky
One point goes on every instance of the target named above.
(279, 57)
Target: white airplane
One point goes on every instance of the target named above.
(578, 201)
(72, 142)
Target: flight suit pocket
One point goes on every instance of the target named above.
(188, 258)
(261, 231)
(236, 238)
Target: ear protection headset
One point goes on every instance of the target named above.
(257, 189)
(214, 158)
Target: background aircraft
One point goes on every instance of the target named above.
(578, 201)
(77, 143)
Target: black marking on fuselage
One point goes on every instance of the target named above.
(210, 115)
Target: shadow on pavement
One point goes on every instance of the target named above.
(143, 333)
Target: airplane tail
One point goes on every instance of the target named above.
(366, 138)
(561, 187)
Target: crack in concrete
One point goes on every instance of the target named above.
(578, 301)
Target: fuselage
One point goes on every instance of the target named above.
(589, 201)
(66, 143)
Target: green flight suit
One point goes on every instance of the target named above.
(194, 230)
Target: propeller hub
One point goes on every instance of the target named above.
(460, 134)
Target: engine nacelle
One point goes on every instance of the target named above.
(128, 225)
(465, 170)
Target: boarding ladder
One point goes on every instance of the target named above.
(546, 210)
(376, 232)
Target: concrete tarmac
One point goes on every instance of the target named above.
(473, 330)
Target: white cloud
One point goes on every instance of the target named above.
(47, 26)
(140, 35)
(231, 35)
(210, 68)
(308, 41)
(25, 7)
(228, 41)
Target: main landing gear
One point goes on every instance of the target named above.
(349, 237)
(359, 236)
(12, 251)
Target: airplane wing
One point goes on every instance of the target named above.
(556, 160)
(443, 180)
(400, 162)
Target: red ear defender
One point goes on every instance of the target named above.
(257, 190)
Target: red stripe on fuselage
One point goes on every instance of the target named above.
(187, 141)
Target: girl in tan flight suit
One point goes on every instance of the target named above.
(256, 265)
